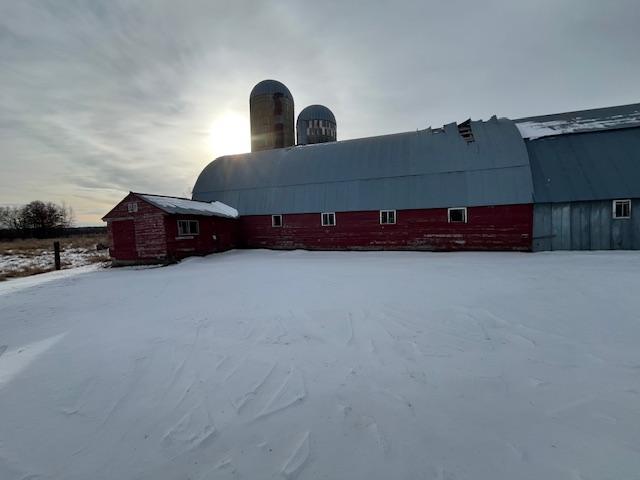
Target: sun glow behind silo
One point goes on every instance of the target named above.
(229, 134)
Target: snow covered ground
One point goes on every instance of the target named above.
(367, 365)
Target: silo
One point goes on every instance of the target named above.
(316, 124)
(271, 112)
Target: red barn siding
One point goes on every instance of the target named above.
(122, 239)
(224, 229)
(148, 240)
(506, 227)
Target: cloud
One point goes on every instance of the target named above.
(102, 97)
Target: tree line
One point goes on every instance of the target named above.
(36, 219)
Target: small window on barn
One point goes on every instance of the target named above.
(276, 220)
(188, 227)
(622, 209)
(457, 215)
(387, 217)
(328, 219)
(132, 207)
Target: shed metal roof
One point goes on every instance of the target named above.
(586, 166)
(422, 169)
(609, 118)
(185, 206)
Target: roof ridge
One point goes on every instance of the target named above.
(583, 110)
(170, 196)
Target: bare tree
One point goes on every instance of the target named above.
(10, 218)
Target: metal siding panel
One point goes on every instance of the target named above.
(580, 226)
(621, 233)
(542, 227)
(561, 226)
(635, 217)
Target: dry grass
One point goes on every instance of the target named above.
(35, 246)
(32, 256)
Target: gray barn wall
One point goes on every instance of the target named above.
(584, 226)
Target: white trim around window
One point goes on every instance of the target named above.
(276, 221)
(188, 227)
(457, 215)
(328, 219)
(132, 207)
(387, 217)
(621, 209)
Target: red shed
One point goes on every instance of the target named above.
(147, 228)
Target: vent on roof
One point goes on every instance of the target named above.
(465, 131)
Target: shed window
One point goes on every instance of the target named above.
(387, 217)
(622, 209)
(276, 220)
(328, 219)
(457, 215)
(188, 227)
(132, 207)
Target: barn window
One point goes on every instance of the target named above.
(132, 207)
(457, 215)
(276, 220)
(622, 209)
(188, 227)
(328, 219)
(387, 217)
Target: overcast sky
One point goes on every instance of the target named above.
(101, 97)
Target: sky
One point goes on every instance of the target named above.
(102, 97)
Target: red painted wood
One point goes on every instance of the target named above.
(123, 243)
(225, 231)
(148, 242)
(505, 227)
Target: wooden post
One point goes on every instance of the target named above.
(56, 254)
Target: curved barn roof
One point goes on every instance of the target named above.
(316, 112)
(269, 87)
(422, 169)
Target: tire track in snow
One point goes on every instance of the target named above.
(351, 335)
(298, 459)
(291, 392)
(240, 402)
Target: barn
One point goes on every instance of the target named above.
(567, 181)
(460, 187)
(147, 228)
(586, 177)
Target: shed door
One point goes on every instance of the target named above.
(124, 240)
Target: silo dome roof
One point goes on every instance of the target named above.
(317, 112)
(269, 87)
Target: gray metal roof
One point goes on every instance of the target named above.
(316, 112)
(586, 166)
(609, 118)
(184, 206)
(269, 87)
(422, 169)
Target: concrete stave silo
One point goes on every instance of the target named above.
(316, 124)
(271, 110)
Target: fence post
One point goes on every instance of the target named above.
(56, 254)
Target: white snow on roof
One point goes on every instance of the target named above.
(536, 129)
(191, 207)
